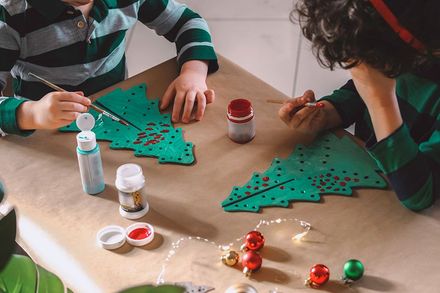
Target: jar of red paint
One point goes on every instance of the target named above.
(241, 123)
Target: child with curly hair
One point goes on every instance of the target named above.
(392, 50)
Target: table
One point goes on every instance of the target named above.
(58, 222)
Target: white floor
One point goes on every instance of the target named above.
(257, 35)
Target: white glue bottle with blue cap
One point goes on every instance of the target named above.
(89, 156)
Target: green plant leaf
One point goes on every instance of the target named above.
(153, 289)
(22, 275)
(48, 282)
(19, 275)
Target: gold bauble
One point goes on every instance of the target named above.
(230, 258)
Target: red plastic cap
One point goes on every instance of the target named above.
(240, 108)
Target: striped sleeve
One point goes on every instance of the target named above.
(413, 170)
(348, 103)
(9, 52)
(183, 26)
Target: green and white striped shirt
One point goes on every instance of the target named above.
(55, 40)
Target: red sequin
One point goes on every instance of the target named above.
(265, 178)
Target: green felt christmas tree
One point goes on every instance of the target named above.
(156, 138)
(331, 165)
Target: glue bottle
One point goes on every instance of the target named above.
(130, 182)
(89, 156)
(241, 123)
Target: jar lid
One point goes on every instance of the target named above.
(241, 288)
(140, 234)
(129, 176)
(111, 237)
(240, 108)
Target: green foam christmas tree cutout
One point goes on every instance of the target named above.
(331, 165)
(157, 137)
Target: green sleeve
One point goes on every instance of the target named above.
(181, 25)
(413, 170)
(348, 103)
(8, 117)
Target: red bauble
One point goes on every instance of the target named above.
(251, 260)
(319, 275)
(254, 240)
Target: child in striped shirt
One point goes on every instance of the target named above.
(392, 50)
(80, 46)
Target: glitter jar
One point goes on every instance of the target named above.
(130, 183)
(241, 123)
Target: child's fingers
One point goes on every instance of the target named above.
(310, 119)
(309, 96)
(189, 105)
(72, 107)
(285, 111)
(69, 116)
(168, 97)
(178, 103)
(201, 105)
(73, 97)
(210, 96)
(301, 116)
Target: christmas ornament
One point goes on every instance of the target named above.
(254, 240)
(251, 262)
(331, 165)
(230, 258)
(262, 224)
(319, 275)
(353, 271)
(241, 288)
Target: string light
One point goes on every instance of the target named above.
(175, 246)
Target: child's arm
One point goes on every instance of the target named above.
(195, 55)
(54, 110)
(412, 169)
(21, 116)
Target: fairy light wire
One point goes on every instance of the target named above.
(225, 247)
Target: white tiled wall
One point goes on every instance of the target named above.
(255, 34)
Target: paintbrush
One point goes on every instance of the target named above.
(310, 104)
(94, 107)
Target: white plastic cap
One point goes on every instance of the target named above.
(129, 177)
(111, 237)
(86, 139)
(85, 122)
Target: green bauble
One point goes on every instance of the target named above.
(353, 270)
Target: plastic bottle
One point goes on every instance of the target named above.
(241, 123)
(89, 156)
(130, 183)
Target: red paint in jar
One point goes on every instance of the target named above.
(139, 233)
(241, 124)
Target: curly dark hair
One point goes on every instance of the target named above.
(349, 32)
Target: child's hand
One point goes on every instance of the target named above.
(379, 94)
(308, 119)
(376, 89)
(189, 92)
(54, 110)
